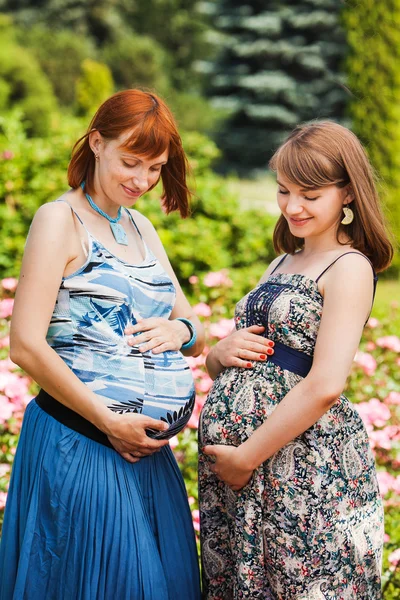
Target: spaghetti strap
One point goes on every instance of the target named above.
(90, 237)
(366, 258)
(75, 213)
(279, 264)
(344, 254)
(133, 221)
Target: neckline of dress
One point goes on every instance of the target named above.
(305, 278)
(148, 254)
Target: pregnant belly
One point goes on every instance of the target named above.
(240, 401)
(160, 386)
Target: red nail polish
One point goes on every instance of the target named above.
(271, 344)
(249, 365)
(263, 356)
(270, 351)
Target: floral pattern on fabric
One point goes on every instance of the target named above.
(309, 524)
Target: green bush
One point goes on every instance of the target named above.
(33, 171)
(373, 38)
(137, 61)
(218, 235)
(93, 87)
(60, 55)
(23, 84)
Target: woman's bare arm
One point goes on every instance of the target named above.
(182, 307)
(348, 289)
(47, 253)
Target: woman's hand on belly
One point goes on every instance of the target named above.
(129, 438)
(158, 334)
(240, 349)
(228, 466)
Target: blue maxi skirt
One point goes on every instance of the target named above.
(81, 523)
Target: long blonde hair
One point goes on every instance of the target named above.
(323, 153)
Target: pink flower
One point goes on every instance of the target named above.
(202, 310)
(396, 485)
(393, 398)
(7, 155)
(386, 538)
(173, 442)
(17, 387)
(3, 499)
(193, 279)
(196, 519)
(7, 365)
(4, 469)
(5, 341)
(6, 307)
(372, 323)
(373, 412)
(366, 362)
(205, 384)
(394, 557)
(196, 361)
(380, 438)
(222, 329)
(385, 481)
(217, 278)
(9, 283)
(191, 500)
(370, 346)
(391, 342)
(6, 409)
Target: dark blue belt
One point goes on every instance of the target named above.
(291, 360)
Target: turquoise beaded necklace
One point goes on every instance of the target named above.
(119, 232)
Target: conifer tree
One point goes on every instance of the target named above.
(279, 64)
(373, 37)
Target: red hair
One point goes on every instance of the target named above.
(153, 131)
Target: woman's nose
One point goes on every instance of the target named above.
(294, 207)
(141, 181)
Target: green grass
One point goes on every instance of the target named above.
(387, 304)
(257, 193)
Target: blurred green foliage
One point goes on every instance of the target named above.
(137, 61)
(373, 38)
(60, 55)
(23, 84)
(218, 235)
(93, 87)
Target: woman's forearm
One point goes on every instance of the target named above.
(297, 412)
(213, 365)
(44, 365)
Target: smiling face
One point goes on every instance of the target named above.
(121, 176)
(311, 212)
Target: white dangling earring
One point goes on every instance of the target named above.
(348, 216)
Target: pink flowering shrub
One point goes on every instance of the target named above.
(373, 386)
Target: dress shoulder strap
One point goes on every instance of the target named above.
(345, 254)
(90, 237)
(133, 221)
(74, 211)
(279, 264)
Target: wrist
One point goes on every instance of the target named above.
(107, 421)
(248, 461)
(191, 328)
(182, 331)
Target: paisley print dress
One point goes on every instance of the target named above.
(309, 524)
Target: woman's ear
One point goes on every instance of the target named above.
(95, 141)
(349, 195)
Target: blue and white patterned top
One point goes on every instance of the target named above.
(93, 307)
